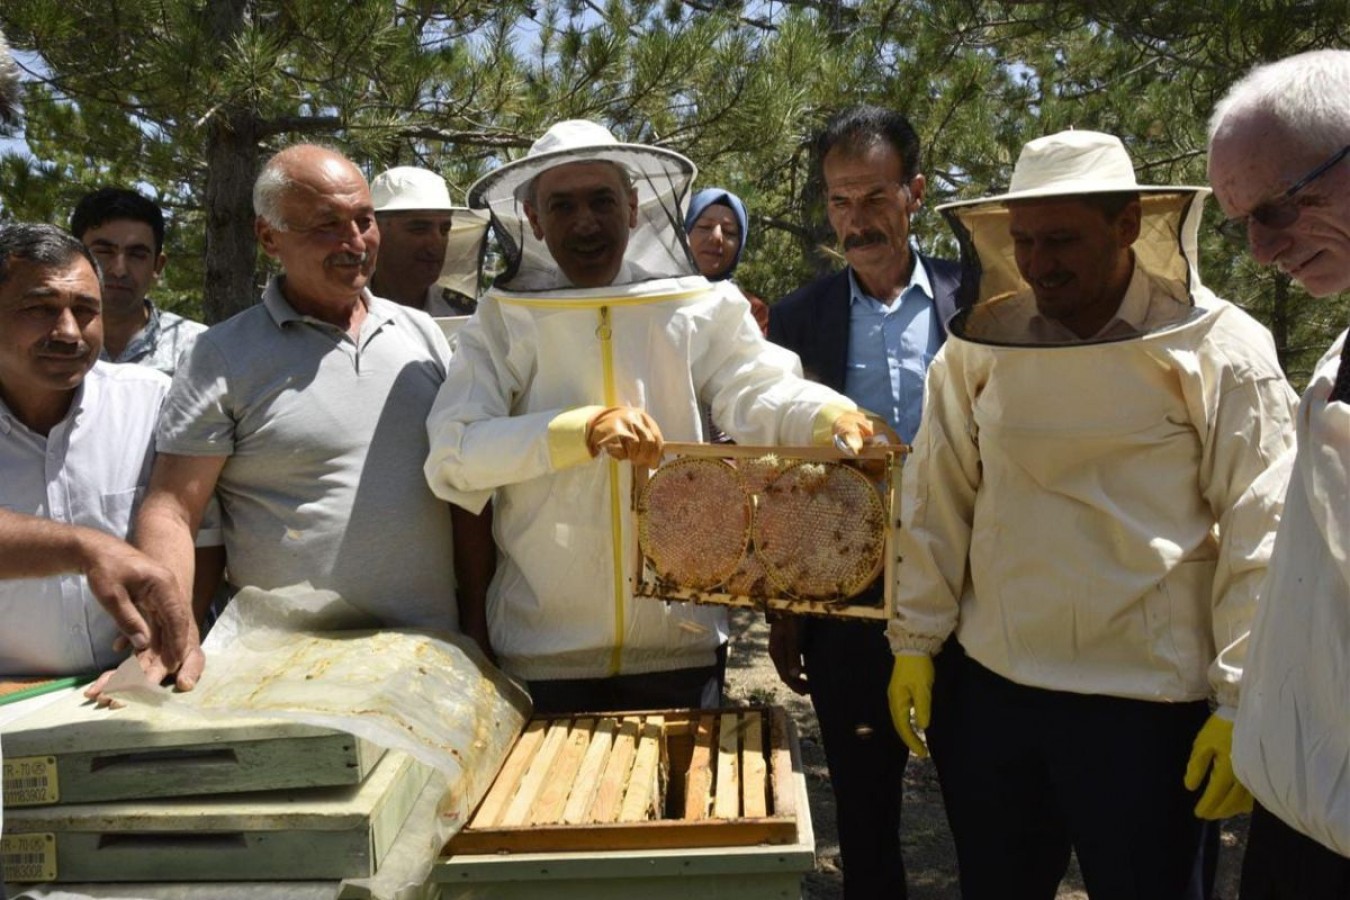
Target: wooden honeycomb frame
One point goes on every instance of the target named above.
(648, 583)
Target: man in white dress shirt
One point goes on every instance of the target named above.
(76, 442)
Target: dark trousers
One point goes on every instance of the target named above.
(849, 666)
(1283, 864)
(672, 689)
(1028, 774)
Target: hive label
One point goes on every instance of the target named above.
(31, 781)
(28, 857)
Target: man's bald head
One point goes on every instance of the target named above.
(298, 166)
(316, 216)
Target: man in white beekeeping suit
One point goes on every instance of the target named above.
(599, 339)
(1087, 518)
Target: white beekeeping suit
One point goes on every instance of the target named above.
(540, 354)
(1152, 459)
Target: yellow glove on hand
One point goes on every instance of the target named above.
(851, 429)
(1213, 752)
(911, 694)
(625, 432)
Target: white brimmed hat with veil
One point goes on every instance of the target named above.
(656, 245)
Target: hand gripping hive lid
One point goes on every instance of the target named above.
(1072, 163)
(656, 246)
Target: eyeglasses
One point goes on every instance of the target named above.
(1283, 211)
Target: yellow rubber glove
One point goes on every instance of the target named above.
(625, 432)
(851, 429)
(911, 696)
(1213, 753)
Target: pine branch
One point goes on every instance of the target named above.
(9, 85)
(298, 125)
(761, 24)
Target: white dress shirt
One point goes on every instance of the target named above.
(91, 470)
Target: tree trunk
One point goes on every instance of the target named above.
(231, 166)
(231, 254)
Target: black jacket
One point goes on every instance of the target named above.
(812, 321)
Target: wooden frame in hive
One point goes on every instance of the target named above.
(641, 781)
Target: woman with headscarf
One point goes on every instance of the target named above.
(718, 226)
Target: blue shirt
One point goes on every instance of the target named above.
(889, 349)
(161, 343)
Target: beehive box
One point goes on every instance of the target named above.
(640, 781)
(796, 529)
(321, 833)
(72, 752)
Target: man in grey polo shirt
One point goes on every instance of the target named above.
(306, 416)
(75, 451)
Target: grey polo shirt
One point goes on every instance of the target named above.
(325, 437)
(91, 470)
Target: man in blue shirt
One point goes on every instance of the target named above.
(870, 332)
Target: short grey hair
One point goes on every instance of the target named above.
(529, 191)
(42, 245)
(1306, 94)
(272, 184)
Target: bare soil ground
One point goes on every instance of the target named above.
(926, 841)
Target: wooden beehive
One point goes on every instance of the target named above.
(741, 588)
(319, 833)
(631, 781)
(73, 752)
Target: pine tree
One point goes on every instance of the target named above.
(187, 97)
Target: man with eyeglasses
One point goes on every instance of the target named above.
(1279, 142)
(868, 331)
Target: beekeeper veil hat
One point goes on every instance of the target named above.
(656, 244)
(1067, 165)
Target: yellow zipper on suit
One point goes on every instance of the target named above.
(605, 333)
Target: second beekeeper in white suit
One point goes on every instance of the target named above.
(1088, 513)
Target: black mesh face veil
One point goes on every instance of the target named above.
(656, 245)
(1340, 389)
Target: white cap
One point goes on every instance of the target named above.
(409, 188)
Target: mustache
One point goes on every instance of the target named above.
(863, 239)
(72, 349)
(1054, 279)
(347, 259)
(586, 244)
